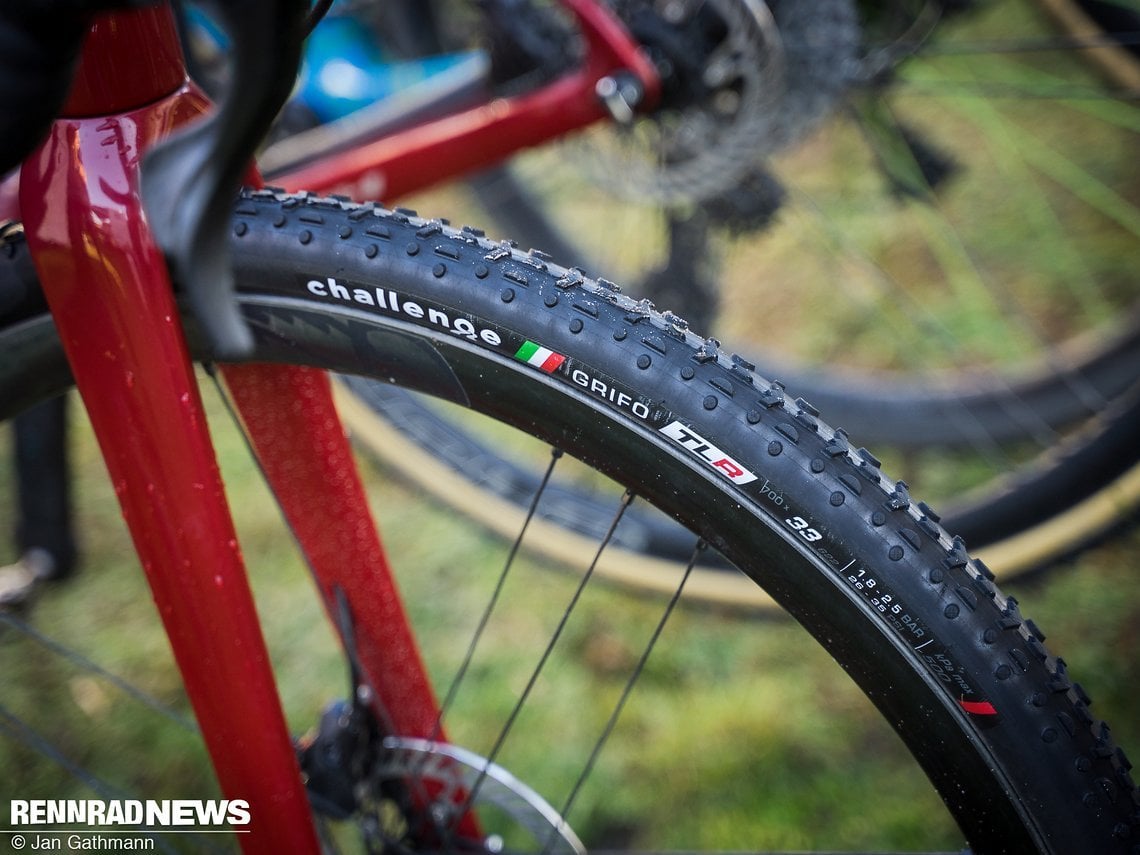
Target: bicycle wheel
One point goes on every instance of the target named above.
(984, 437)
(987, 712)
(895, 161)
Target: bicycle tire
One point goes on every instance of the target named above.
(898, 412)
(1077, 495)
(979, 410)
(992, 717)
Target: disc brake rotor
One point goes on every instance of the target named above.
(742, 79)
(450, 773)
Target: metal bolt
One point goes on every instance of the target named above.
(620, 93)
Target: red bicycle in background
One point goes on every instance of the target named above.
(128, 211)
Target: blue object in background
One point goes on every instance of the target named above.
(344, 69)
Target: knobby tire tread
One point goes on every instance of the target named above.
(1003, 732)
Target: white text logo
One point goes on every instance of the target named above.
(708, 452)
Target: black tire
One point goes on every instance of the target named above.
(1072, 497)
(1000, 421)
(987, 711)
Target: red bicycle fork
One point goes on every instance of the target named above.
(110, 294)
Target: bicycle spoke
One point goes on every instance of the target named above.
(516, 710)
(83, 662)
(921, 326)
(16, 728)
(635, 674)
(457, 679)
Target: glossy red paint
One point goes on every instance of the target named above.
(110, 295)
(130, 59)
(485, 135)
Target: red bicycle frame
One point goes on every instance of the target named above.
(487, 134)
(111, 297)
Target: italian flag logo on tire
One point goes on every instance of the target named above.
(540, 357)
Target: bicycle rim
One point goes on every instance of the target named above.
(788, 499)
